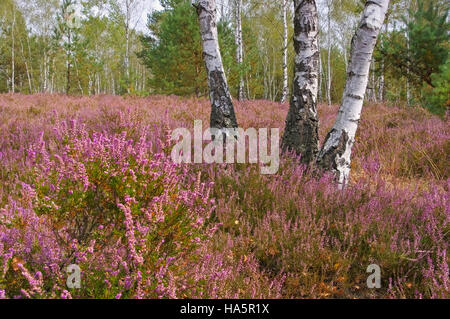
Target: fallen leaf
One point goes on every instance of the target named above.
(15, 262)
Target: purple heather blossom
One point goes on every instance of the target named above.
(112, 153)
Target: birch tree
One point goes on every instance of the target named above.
(131, 6)
(336, 151)
(127, 14)
(65, 33)
(13, 49)
(301, 132)
(285, 92)
(239, 46)
(222, 111)
(381, 80)
(329, 52)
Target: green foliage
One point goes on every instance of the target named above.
(167, 57)
(12, 32)
(437, 96)
(418, 50)
(228, 50)
(262, 32)
(68, 36)
(428, 34)
(173, 51)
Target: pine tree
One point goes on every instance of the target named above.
(420, 48)
(173, 52)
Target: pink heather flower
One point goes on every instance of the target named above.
(66, 295)
(371, 206)
(108, 284)
(34, 283)
(199, 221)
(25, 293)
(129, 225)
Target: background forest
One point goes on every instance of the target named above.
(105, 52)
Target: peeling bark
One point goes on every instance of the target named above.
(336, 152)
(222, 111)
(302, 123)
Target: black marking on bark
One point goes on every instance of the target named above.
(354, 96)
(328, 159)
(369, 2)
(222, 111)
(301, 134)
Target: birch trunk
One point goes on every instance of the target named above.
(13, 56)
(319, 89)
(26, 67)
(371, 92)
(345, 57)
(127, 39)
(46, 72)
(382, 67)
(69, 56)
(381, 84)
(329, 54)
(239, 46)
(301, 132)
(336, 151)
(408, 91)
(285, 92)
(31, 65)
(222, 111)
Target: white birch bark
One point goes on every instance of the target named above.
(13, 48)
(285, 91)
(222, 111)
(239, 46)
(381, 84)
(31, 65)
(127, 37)
(46, 67)
(26, 67)
(345, 56)
(319, 89)
(336, 152)
(408, 91)
(371, 89)
(302, 123)
(381, 81)
(329, 53)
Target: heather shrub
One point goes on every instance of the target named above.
(403, 143)
(324, 239)
(118, 211)
(136, 224)
(99, 190)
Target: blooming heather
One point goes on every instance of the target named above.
(90, 181)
